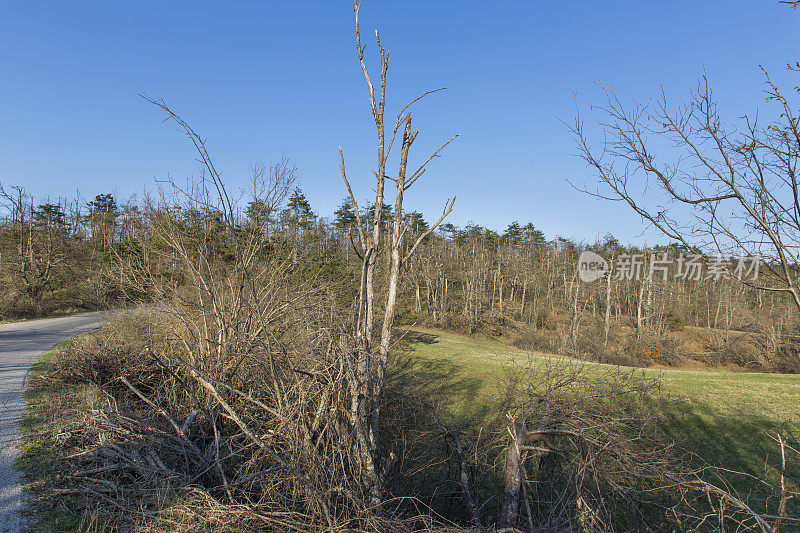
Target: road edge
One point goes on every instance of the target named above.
(38, 455)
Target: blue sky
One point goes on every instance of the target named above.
(261, 80)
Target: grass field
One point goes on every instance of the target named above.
(724, 417)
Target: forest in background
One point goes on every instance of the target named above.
(69, 254)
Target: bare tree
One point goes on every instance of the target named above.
(723, 188)
(368, 366)
(40, 235)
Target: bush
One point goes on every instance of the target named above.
(674, 322)
(650, 348)
(743, 350)
(535, 341)
(405, 317)
(544, 320)
(120, 351)
(582, 424)
(787, 359)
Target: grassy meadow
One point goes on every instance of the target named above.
(724, 417)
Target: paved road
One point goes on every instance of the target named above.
(21, 344)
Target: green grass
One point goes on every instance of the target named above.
(34, 421)
(724, 417)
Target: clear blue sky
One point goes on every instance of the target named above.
(266, 79)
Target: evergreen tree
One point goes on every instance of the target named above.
(513, 233)
(491, 238)
(532, 236)
(567, 246)
(345, 216)
(103, 203)
(49, 216)
(103, 213)
(416, 223)
(610, 243)
(476, 232)
(258, 213)
(448, 230)
(386, 214)
(298, 211)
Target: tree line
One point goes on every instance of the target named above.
(71, 253)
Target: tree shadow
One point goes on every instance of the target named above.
(734, 448)
(440, 381)
(418, 337)
(419, 389)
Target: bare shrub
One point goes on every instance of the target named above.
(583, 447)
(745, 351)
(257, 392)
(650, 348)
(545, 320)
(673, 322)
(583, 452)
(101, 359)
(160, 449)
(535, 340)
(234, 384)
(788, 357)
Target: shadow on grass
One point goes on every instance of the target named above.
(427, 469)
(725, 439)
(735, 448)
(418, 337)
(439, 381)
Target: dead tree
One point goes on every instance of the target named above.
(733, 190)
(569, 426)
(367, 366)
(41, 240)
(589, 438)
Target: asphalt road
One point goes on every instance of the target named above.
(21, 344)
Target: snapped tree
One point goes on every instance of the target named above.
(367, 363)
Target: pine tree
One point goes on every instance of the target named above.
(49, 216)
(532, 236)
(386, 214)
(103, 215)
(345, 216)
(448, 230)
(416, 223)
(513, 234)
(258, 213)
(298, 211)
(610, 243)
